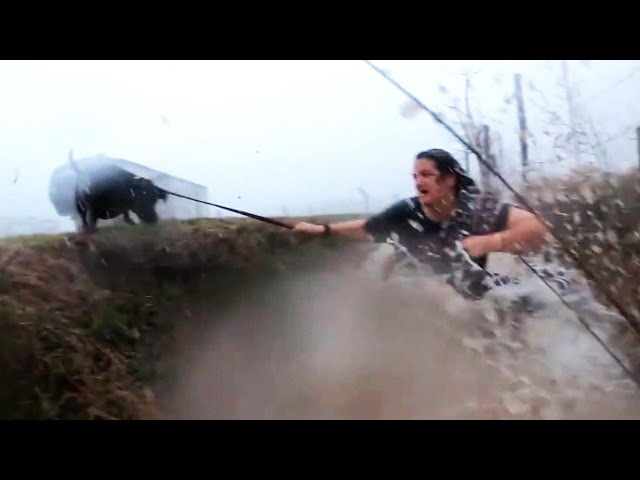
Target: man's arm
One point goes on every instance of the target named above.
(523, 233)
(375, 228)
(350, 228)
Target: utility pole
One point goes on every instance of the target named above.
(522, 119)
(484, 144)
(638, 142)
(467, 85)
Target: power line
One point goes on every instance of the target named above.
(614, 85)
(526, 204)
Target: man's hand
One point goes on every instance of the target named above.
(480, 245)
(524, 234)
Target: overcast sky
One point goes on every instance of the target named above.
(298, 135)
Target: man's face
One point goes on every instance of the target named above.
(433, 188)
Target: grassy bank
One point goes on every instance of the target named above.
(82, 329)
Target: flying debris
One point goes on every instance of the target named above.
(410, 109)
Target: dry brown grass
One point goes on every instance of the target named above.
(80, 327)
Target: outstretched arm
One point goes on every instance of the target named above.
(349, 228)
(375, 228)
(524, 233)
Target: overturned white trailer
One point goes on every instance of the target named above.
(64, 178)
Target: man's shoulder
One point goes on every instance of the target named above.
(490, 211)
(482, 196)
(380, 224)
(406, 206)
(485, 200)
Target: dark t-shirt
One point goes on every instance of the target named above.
(405, 223)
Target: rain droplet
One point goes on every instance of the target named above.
(587, 194)
(576, 217)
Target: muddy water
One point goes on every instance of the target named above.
(340, 344)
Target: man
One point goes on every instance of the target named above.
(448, 224)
